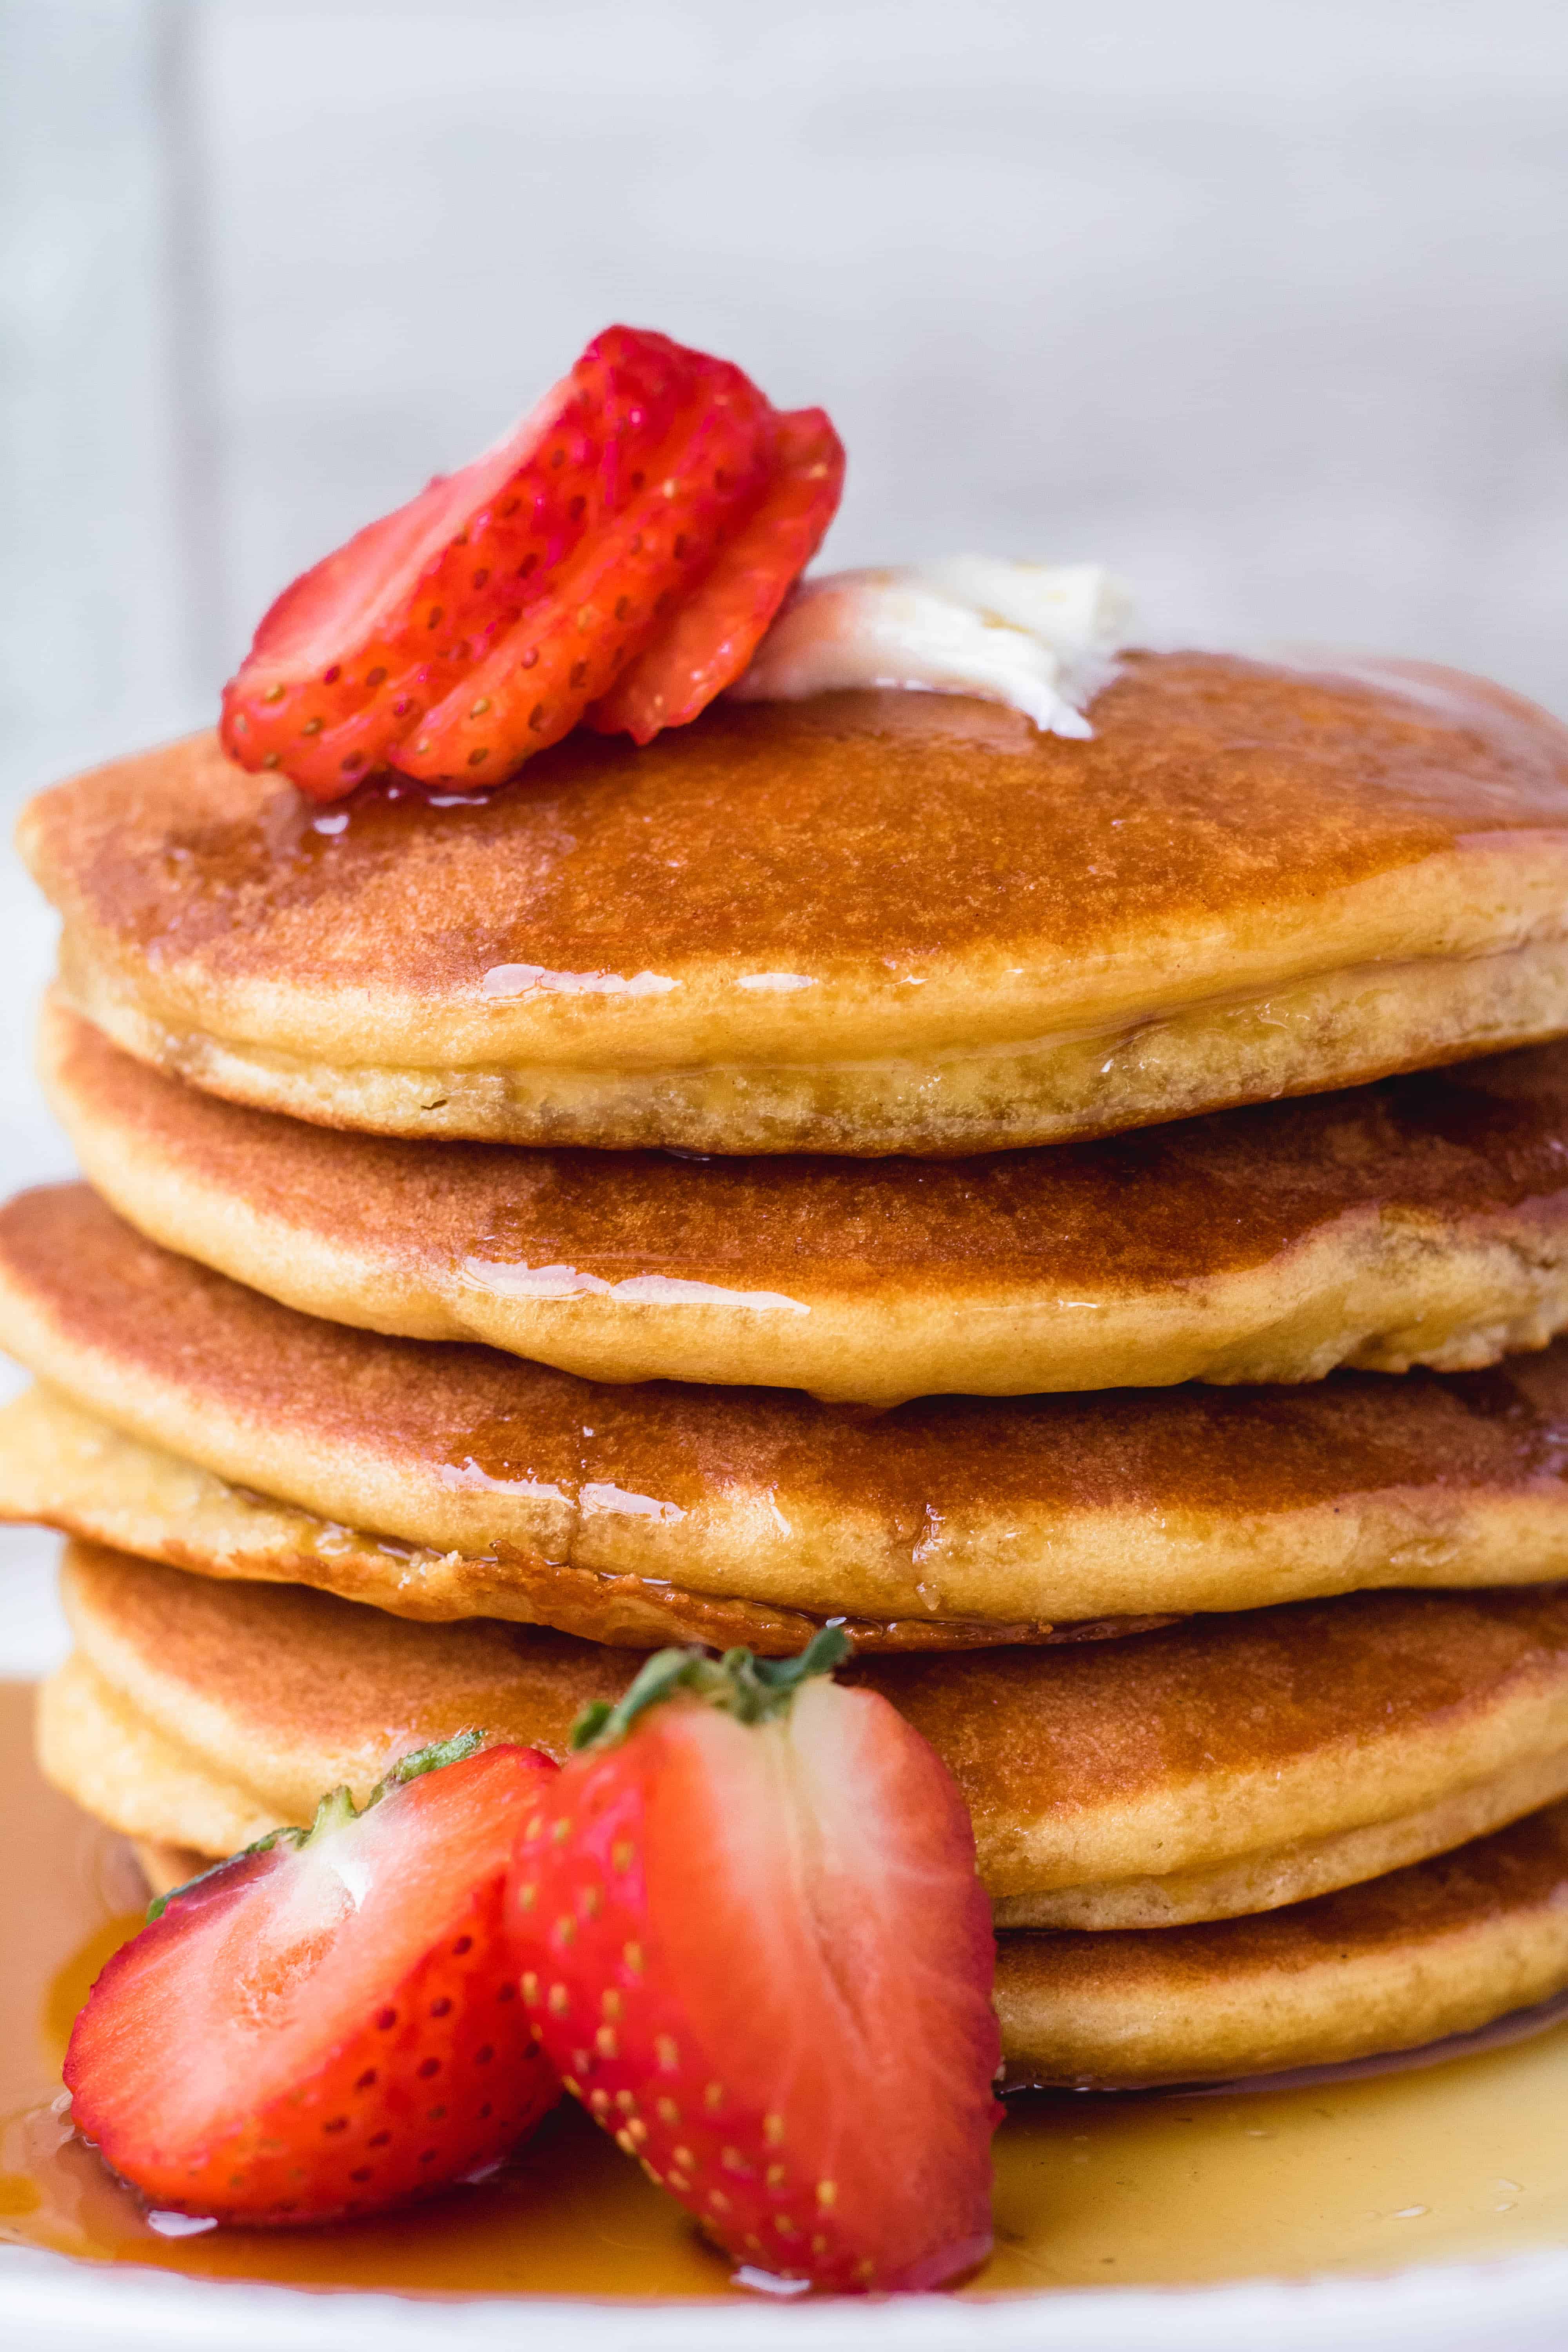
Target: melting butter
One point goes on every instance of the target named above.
(1037, 636)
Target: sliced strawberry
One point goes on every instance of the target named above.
(328, 2023)
(715, 632)
(350, 656)
(625, 546)
(755, 1946)
(610, 597)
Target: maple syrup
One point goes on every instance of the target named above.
(1334, 2171)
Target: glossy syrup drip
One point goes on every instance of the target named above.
(1348, 2170)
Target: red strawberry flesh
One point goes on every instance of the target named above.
(313, 2032)
(348, 658)
(477, 624)
(760, 1954)
(717, 629)
(610, 597)
(319, 646)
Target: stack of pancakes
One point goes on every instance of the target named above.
(1091, 1217)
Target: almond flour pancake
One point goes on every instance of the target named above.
(1442, 1948)
(195, 1421)
(1421, 1221)
(194, 1716)
(63, 1468)
(1224, 1767)
(866, 923)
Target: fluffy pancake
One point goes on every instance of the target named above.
(1442, 1948)
(867, 923)
(198, 1423)
(1423, 1220)
(1226, 1766)
(63, 1468)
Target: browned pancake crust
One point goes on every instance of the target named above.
(61, 1467)
(457, 1436)
(1199, 1706)
(886, 1263)
(808, 836)
(1485, 1142)
(1440, 1948)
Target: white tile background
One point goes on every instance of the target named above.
(1265, 300)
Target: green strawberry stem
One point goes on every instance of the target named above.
(752, 1689)
(335, 1809)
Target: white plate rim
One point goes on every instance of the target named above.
(52, 2301)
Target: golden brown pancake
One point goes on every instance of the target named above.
(195, 1422)
(1443, 1948)
(1224, 1767)
(1423, 1220)
(867, 923)
(63, 1468)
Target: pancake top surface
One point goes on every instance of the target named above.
(865, 842)
(1216, 1699)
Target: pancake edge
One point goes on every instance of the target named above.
(66, 1446)
(1365, 1290)
(65, 1468)
(1069, 2023)
(1315, 1036)
(1061, 1562)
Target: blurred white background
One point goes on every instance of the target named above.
(1264, 301)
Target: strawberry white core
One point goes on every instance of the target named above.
(1035, 636)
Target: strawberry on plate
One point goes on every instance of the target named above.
(329, 2022)
(477, 624)
(754, 1945)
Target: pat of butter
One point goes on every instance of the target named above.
(1034, 636)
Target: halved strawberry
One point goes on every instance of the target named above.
(754, 1945)
(611, 596)
(329, 2022)
(716, 630)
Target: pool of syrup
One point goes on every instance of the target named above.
(1444, 2162)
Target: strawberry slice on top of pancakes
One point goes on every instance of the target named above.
(616, 558)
